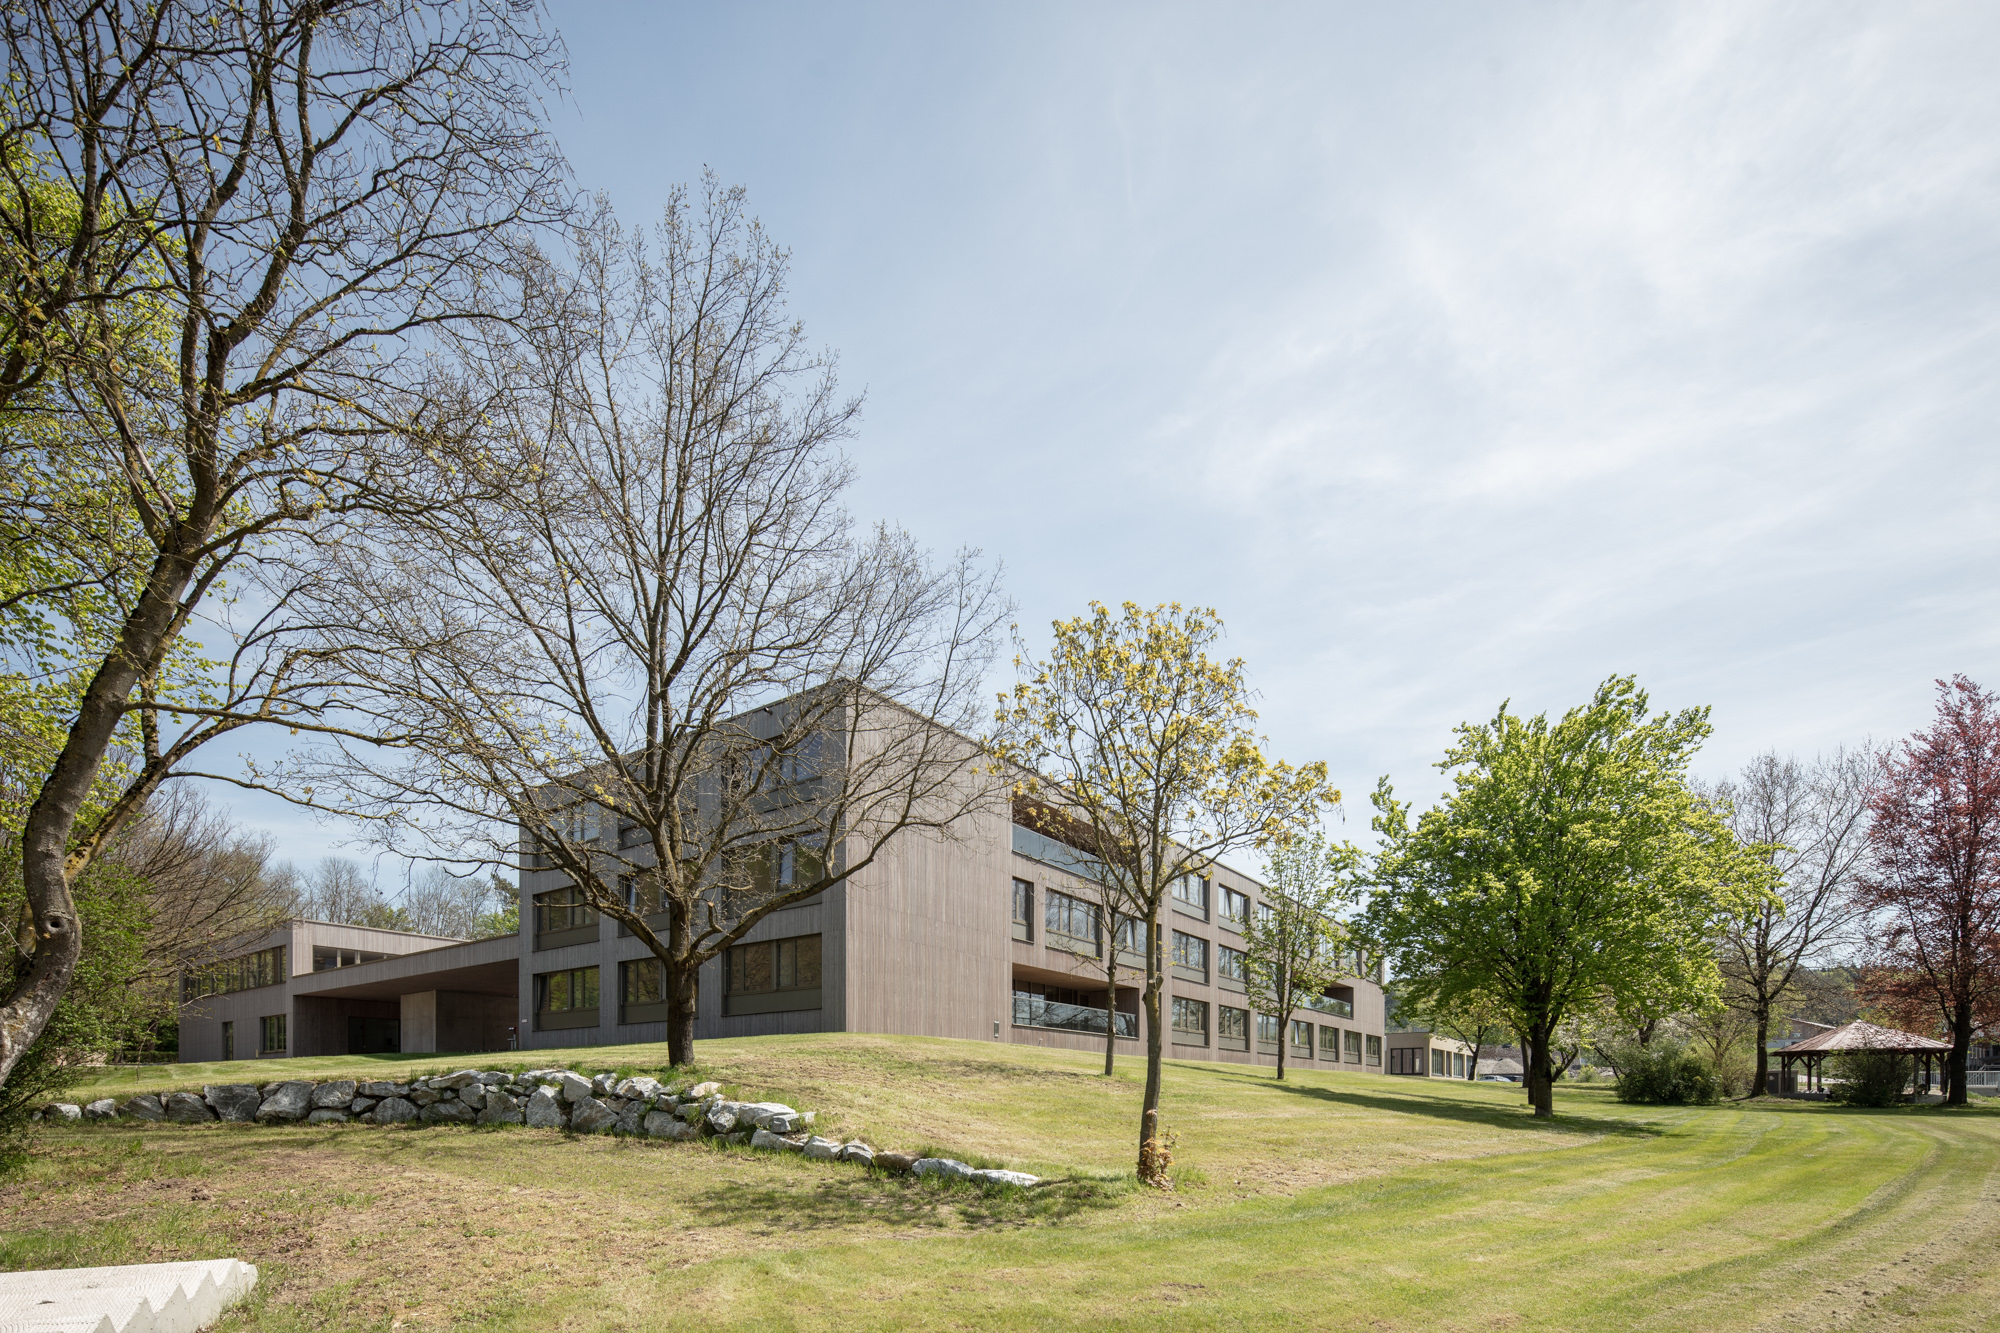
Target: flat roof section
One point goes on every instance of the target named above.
(482, 967)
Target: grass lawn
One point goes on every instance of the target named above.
(1329, 1201)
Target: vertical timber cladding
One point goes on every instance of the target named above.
(928, 947)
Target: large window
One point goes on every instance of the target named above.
(1458, 1064)
(564, 916)
(1406, 1059)
(1374, 1050)
(1070, 923)
(1329, 1043)
(1232, 1028)
(266, 967)
(1267, 1034)
(775, 869)
(642, 991)
(566, 999)
(271, 1034)
(1190, 1022)
(1024, 910)
(1130, 941)
(1236, 908)
(1191, 895)
(1354, 1048)
(1437, 1063)
(1232, 968)
(1190, 957)
(771, 976)
(1302, 1039)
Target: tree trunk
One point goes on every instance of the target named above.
(1955, 1058)
(1284, 1040)
(1111, 1003)
(1155, 1049)
(1763, 1082)
(46, 874)
(1541, 1088)
(681, 980)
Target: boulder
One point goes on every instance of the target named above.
(234, 1101)
(764, 1138)
(701, 1090)
(464, 1078)
(495, 1078)
(327, 1115)
(146, 1106)
(545, 1109)
(474, 1095)
(722, 1117)
(641, 1086)
(895, 1161)
(629, 1117)
(692, 1113)
(333, 1095)
(379, 1090)
(601, 1084)
(543, 1075)
(64, 1111)
(949, 1168)
(660, 1125)
(449, 1113)
(574, 1088)
(104, 1108)
(361, 1106)
(857, 1151)
(502, 1109)
(591, 1116)
(1020, 1178)
(184, 1108)
(286, 1102)
(396, 1111)
(822, 1150)
(761, 1114)
(425, 1096)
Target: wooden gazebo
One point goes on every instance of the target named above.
(1812, 1053)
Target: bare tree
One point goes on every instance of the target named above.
(667, 664)
(439, 902)
(1811, 820)
(294, 194)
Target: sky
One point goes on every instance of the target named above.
(1455, 354)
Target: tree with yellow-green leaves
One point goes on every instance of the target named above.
(1571, 867)
(1294, 945)
(1132, 744)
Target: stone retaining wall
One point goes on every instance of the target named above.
(559, 1099)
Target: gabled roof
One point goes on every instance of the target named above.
(1865, 1036)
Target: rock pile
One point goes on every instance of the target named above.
(640, 1107)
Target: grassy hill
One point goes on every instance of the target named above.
(1329, 1201)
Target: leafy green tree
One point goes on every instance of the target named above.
(1294, 946)
(1570, 865)
(1132, 741)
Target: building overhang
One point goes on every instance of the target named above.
(481, 967)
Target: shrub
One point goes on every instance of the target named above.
(1869, 1077)
(1666, 1074)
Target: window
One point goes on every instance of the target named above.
(229, 1041)
(1191, 895)
(641, 893)
(775, 869)
(1236, 908)
(1267, 1034)
(642, 991)
(1302, 1039)
(1354, 1048)
(1406, 1059)
(1024, 910)
(564, 916)
(1231, 968)
(772, 976)
(1071, 923)
(1374, 1050)
(1329, 1043)
(1190, 1022)
(1130, 940)
(1437, 1064)
(266, 967)
(567, 992)
(1190, 957)
(1458, 1064)
(271, 1034)
(1232, 1028)
(566, 999)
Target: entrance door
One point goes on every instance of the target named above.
(373, 1036)
(229, 1041)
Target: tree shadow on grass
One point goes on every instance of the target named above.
(1490, 1117)
(879, 1199)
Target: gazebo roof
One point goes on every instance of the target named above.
(1864, 1036)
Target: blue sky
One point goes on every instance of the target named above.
(1454, 353)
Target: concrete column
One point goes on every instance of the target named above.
(420, 1022)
